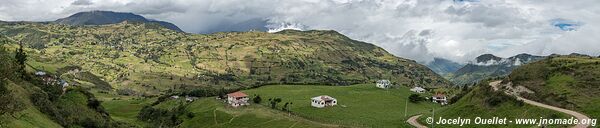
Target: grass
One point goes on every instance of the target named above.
(126, 110)
(571, 82)
(474, 105)
(209, 112)
(361, 105)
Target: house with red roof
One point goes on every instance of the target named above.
(237, 99)
(440, 98)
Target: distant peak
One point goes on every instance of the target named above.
(487, 57)
(98, 17)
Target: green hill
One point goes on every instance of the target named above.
(571, 82)
(483, 102)
(146, 59)
(29, 102)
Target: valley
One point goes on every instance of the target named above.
(82, 71)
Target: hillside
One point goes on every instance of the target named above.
(29, 102)
(109, 17)
(146, 59)
(482, 101)
(488, 66)
(570, 81)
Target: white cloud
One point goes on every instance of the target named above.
(415, 29)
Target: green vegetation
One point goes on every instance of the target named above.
(483, 102)
(150, 61)
(571, 82)
(361, 105)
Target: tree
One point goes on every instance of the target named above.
(284, 108)
(8, 65)
(222, 93)
(415, 98)
(21, 58)
(257, 99)
(274, 102)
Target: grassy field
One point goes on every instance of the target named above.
(361, 105)
(126, 109)
(213, 113)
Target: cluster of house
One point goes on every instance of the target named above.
(187, 98)
(237, 99)
(437, 98)
(51, 80)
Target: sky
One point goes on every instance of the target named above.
(458, 30)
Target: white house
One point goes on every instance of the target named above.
(237, 99)
(418, 90)
(40, 73)
(383, 84)
(323, 101)
(439, 98)
(190, 98)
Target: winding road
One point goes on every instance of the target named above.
(575, 114)
(413, 120)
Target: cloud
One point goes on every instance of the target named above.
(82, 2)
(458, 30)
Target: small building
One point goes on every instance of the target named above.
(63, 83)
(174, 97)
(237, 99)
(190, 98)
(440, 98)
(383, 84)
(40, 73)
(323, 101)
(418, 90)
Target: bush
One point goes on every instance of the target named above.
(415, 98)
(257, 99)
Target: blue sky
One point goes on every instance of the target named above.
(414, 29)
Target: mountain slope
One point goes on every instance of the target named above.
(488, 65)
(443, 66)
(109, 17)
(570, 82)
(144, 59)
(482, 101)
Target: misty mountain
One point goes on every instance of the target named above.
(109, 17)
(443, 66)
(488, 65)
(256, 24)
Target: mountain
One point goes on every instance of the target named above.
(109, 17)
(443, 66)
(565, 81)
(141, 59)
(488, 65)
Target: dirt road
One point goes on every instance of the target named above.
(577, 115)
(413, 121)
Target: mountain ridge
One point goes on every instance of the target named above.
(109, 17)
(489, 65)
(138, 57)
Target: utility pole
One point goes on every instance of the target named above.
(406, 108)
(433, 116)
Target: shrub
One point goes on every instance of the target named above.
(257, 99)
(415, 98)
